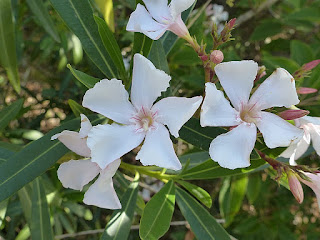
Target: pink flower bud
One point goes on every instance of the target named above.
(231, 23)
(295, 187)
(216, 56)
(204, 58)
(305, 90)
(311, 65)
(293, 114)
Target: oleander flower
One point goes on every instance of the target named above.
(232, 150)
(311, 128)
(75, 174)
(159, 17)
(139, 120)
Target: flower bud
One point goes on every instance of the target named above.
(311, 65)
(261, 73)
(216, 56)
(293, 114)
(231, 23)
(295, 186)
(305, 90)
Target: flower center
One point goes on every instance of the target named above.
(144, 119)
(249, 114)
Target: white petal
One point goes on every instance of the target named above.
(77, 173)
(315, 137)
(216, 109)
(176, 111)
(147, 82)
(157, 149)
(277, 90)
(110, 142)
(237, 78)
(158, 9)
(109, 98)
(85, 126)
(178, 6)
(307, 119)
(278, 132)
(232, 149)
(74, 142)
(141, 21)
(102, 193)
(314, 184)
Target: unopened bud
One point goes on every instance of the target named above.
(261, 73)
(204, 58)
(216, 56)
(231, 23)
(305, 90)
(295, 186)
(293, 114)
(311, 65)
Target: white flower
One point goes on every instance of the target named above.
(232, 150)
(159, 17)
(311, 127)
(75, 174)
(314, 184)
(140, 120)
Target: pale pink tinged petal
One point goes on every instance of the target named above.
(290, 153)
(278, 132)
(179, 28)
(147, 82)
(176, 111)
(74, 142)
(237, 78)
(102, 193)
(314, 184)
(232, 149)
(216, 109)
(179, 6)
(85, 126)
(109, 98)
(141, 21)
(77, 173)
(278, 90)
(307, 119)
(157, 149)
(110, 142)
(158, 9)
(315, 137)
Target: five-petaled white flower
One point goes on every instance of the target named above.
(232, 150)
(75, 174)
(139, 120)
(311, 127)
(159, 18)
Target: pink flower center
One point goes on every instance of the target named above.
(144, 119)
(249, 114)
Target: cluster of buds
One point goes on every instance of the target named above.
(225, 34)
(305, 70)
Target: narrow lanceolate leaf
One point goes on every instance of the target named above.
(40, 225)
(111, 46)
(34, 159)
(78, 16)
(169, 39)
(3, 210)
(77, 109)
(8, 56)
(84, 78)
(25, 197)
(106, 8)
(202, 195)
(156, 217)
(5, 154)
(9, 113)
(203, 225)
(40, 11)
(118, 228)
(211, 170)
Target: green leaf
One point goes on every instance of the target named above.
(301, 52)
(231, 197)
(203, 225)
(156, 217)
(25, 197)
(202, 195)
(40, 11)
(78, 16)
(211, 170)
(118, 228)
(8, 56)
(3, 210)
(266, 28)
(5, 154)
(10, 112)
(308, 14)
(84, 78)
(77, 109)
(111, 46)
(34, 159)
(40, 225)
(253, 188)
(169, 39)
(195, 158)
(272, 63)
(158, 57)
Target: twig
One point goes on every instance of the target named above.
(151, 189)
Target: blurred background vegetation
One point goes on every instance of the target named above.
(275, 33)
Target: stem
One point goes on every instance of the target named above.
(274, 163)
